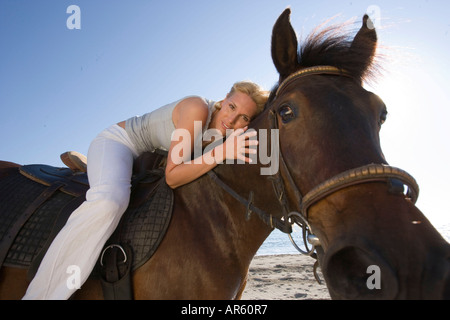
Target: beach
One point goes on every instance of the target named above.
(283, 277)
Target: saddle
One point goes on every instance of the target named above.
(135, 240)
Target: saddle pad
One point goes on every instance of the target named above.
(16, 194)
(144, 227)
(141, 227)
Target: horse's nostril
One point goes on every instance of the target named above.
(446, 290)
(353, 273)
(446, 293)
(436, 274)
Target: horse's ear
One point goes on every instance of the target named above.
(364, 46)
(284, 46)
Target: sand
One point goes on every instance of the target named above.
(283, 277)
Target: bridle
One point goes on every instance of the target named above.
(396, 179)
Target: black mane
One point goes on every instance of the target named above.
(332, 46)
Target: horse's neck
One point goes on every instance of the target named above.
(245, 179)
(221, 217)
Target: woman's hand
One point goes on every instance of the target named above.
(236, 146)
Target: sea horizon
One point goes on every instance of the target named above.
(278, 243)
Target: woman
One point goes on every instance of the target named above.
(110, 162)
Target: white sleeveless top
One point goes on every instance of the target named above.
(154, 130)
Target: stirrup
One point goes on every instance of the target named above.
(76, 161)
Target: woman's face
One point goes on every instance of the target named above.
(236, 112)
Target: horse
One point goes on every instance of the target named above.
(333, 180)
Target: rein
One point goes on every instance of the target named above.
(395, 178)
(267, 218)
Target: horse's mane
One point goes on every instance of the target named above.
(330, 45)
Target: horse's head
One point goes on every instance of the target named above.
(370, 231)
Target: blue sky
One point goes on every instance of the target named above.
(60, 87)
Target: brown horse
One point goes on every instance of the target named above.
(329, 152)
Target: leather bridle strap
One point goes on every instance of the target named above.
(318, 70)
(267, 218)
(277, 180)
(395, 177)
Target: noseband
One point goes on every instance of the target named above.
(395, 179)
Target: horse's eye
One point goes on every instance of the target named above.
(286, 113)
(383, 116)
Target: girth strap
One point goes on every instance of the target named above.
(268, 219)
(9, 238)
(116, 263)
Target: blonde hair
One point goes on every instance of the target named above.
(254, 91)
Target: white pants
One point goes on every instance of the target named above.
(78, 245)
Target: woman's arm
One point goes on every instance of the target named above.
(179, 169)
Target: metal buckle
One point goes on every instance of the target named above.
(111, 247)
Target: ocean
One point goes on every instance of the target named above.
(279, 243)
